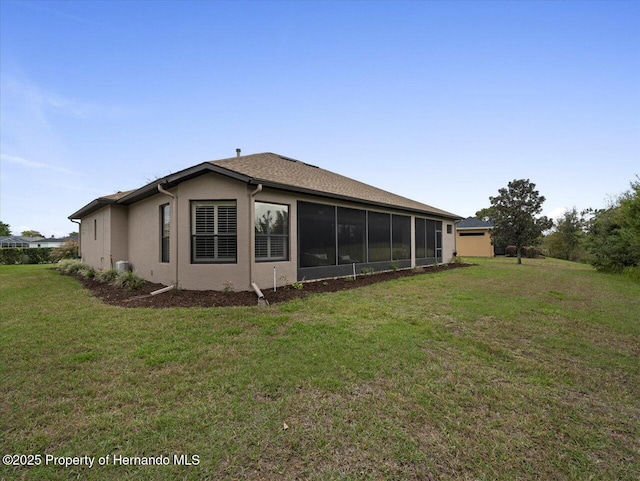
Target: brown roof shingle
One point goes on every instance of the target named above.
(284, 172)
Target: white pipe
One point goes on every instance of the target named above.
(258, 189)
(258, 291)
(252, 256)
(354, 271)
(164, 289)
(274, 279)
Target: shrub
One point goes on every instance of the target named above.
(106, 276)
(394, 266)
(531, 252)
(69, 250)
(71, 266)
(632, 273)
(128, 280)
(457, 260)
(25, 255)
(87, 271)
(510, 251)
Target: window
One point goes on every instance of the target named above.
(352, 229)
(316, 234)
(214, 231)
(425, 238)
(165, 229)
(379, 237)
(272, 232)
(449, 229)
(431, 238)
(95, 229)
(421, 238)
(401, 234)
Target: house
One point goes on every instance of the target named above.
(473, 238)
(15, 241)
(52, 241)
(34, 242)
(264, 219)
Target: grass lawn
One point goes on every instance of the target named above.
(497, 371)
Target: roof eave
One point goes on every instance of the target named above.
(91, 207)
(174, 179)
(329, 195)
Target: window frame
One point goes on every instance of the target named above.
(269, 236)
(165, 247)
(193, 204)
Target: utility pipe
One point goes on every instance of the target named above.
(164, 289)
(79, 237)
(251, 245)
(174, 221)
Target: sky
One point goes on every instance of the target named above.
(443, 102)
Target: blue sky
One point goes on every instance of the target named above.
(442, 102)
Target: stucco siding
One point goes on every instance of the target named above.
(212, 276)
(448, 241)
(119, 233)
(478, 244)
(95, 234)
(144, 240)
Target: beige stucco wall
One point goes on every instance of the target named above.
(448, 241)
(95, 232)
(474, 246)
(133, 233)
(119, 233)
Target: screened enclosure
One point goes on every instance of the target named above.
(331, 239)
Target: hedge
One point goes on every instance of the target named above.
(25, 255)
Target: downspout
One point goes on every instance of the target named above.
(251, 256)
(177, 236)
(79, 237)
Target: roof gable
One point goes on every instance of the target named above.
(277, 171)
(291, 174)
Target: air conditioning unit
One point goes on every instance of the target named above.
(123, 266)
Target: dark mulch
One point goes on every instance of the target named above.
(182, 298)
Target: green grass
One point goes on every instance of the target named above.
(497, 371)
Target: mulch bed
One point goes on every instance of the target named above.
(183, 298)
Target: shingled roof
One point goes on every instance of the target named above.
(291, 174)
(474, 223)
(276, 171)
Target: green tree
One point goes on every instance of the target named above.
(5, 229)
(565, 242)
(515, 212)
(485, 214)
(31, 233)
(613, 239)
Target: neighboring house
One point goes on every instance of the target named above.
(260, 218)
(33, 242)
(473, 238)
(52, 241)
(15, 241)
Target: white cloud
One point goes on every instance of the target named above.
(40, 98)
(33, 164)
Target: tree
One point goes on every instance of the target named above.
(613, 238)
(565, 242)
(5, 229)
(485, 214)
(515, 213)
(31, 233)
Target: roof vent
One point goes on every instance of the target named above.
(238, 152)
